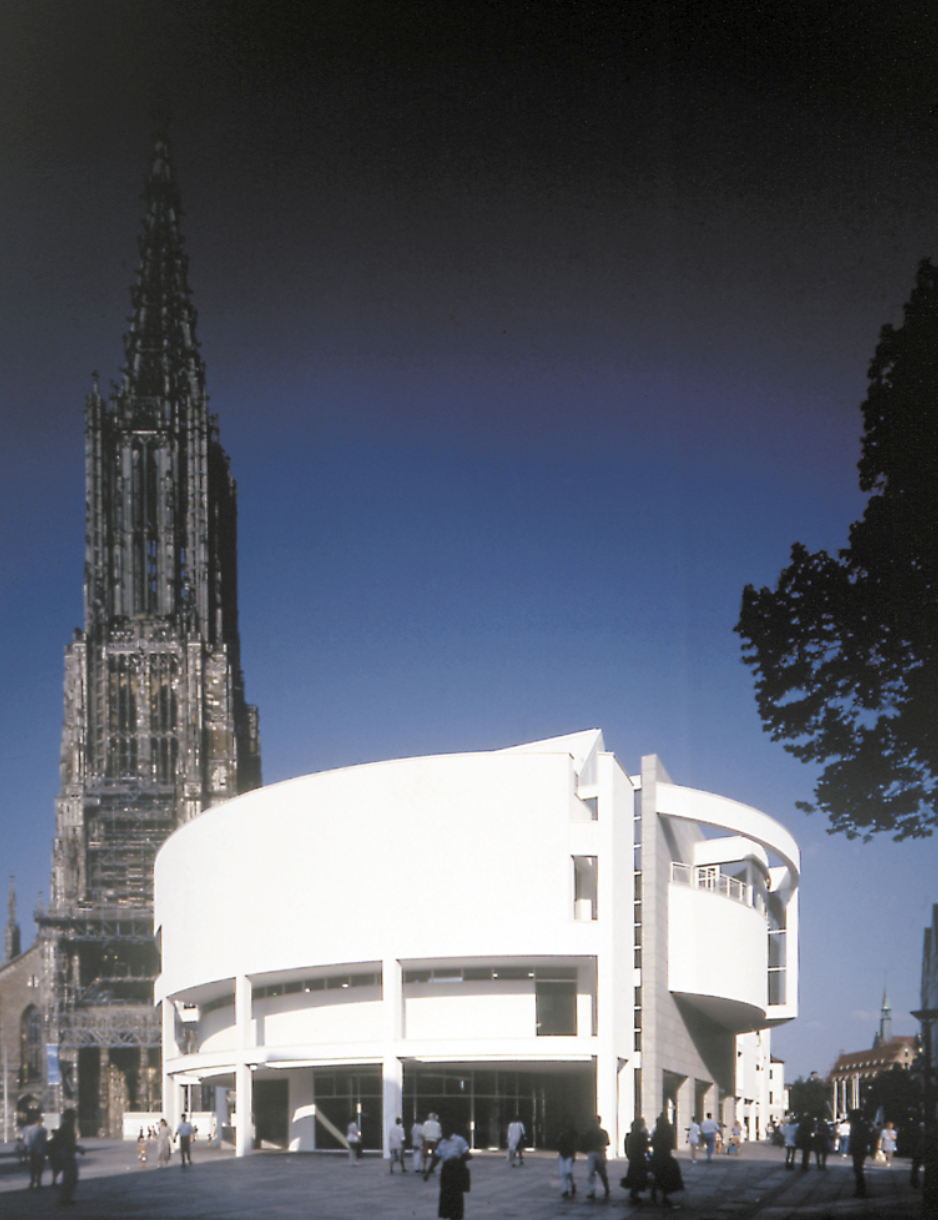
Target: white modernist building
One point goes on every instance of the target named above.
(527, 931)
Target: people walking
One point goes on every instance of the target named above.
(637, 1146)
(804, 1140)
(595, 1143)
(36, 1137)
(416, 1142)
(790, 1136)
(516, 1137)
(887, 1142)
(693, 1139)
(353, 1137)
(710, 1129)
(822, 1142)
(859, 1149)
(566, 1150)
(665, 1170)
(184, 1135)
(453, 1154)
(164, 1145)
(68, 1146)
(396, 1139)
(432, 1132)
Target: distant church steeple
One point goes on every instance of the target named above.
(885, 1020)
(11, 936)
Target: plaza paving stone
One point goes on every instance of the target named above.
(271, 1185)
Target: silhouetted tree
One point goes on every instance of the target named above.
(811, 1096)
(845, 649)
(898, 1093)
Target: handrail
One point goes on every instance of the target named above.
(709, 877)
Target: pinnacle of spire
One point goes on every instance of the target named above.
(11, 935)
(162, 366)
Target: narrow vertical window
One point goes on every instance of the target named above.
(585, 893)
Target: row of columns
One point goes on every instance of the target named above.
(614, 1076)
(846, 1094)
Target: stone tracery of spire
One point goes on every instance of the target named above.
(162, 365)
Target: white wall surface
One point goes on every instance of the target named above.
(450, 856)
(439, 1011)
(716, 947)
(286, 1020)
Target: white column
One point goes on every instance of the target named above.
(302, 1109)
(392, 1069)
(172, 1092)
(243, 1082)
(221, 1113)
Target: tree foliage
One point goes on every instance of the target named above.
(845, 648)
(811, 1096)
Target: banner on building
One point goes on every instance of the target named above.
(52, 1063)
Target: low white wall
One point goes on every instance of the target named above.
(449, 1012)
(716, 947)
(320, 1016)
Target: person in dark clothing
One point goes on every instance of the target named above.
(566, 1151)
(54, 1153)
(454, 1155)
(822, 1142)
(805, 1140)
(636, 1149)
(664, 1168)
(595, 1143)
(859, 1150)
(68, 1147)
(918, 1154)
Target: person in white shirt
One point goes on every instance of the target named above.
(453, 1153)
(432, 1131)
(710, 1129)
(396, 1145)
(354, 1137)
(516, 1135)
(789, 1135)
(693, 1138)
(416, 1142)
(184, 1135)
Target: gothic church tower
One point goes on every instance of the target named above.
(156, 727)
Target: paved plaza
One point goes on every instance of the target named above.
(271, 1185)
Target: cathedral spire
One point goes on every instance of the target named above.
(162, 365)
(885, 1020)
(11, 937)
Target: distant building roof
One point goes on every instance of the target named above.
(899, 1051)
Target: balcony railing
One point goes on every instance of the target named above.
(710, 877)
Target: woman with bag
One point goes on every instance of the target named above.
(453, 1153)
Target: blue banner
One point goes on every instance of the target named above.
(52, 1063)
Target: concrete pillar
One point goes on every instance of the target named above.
(626, 1086)
(302, 1109)
(607, 1094)
(172, 1092)
(392, 999)
(244, 1083)
(221, 1113)
(685, 1109)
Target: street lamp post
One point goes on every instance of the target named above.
(925, 1016)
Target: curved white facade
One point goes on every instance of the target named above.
(458, 932)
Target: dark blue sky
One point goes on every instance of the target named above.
(534, 332)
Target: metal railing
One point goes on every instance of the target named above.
(709, 877)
